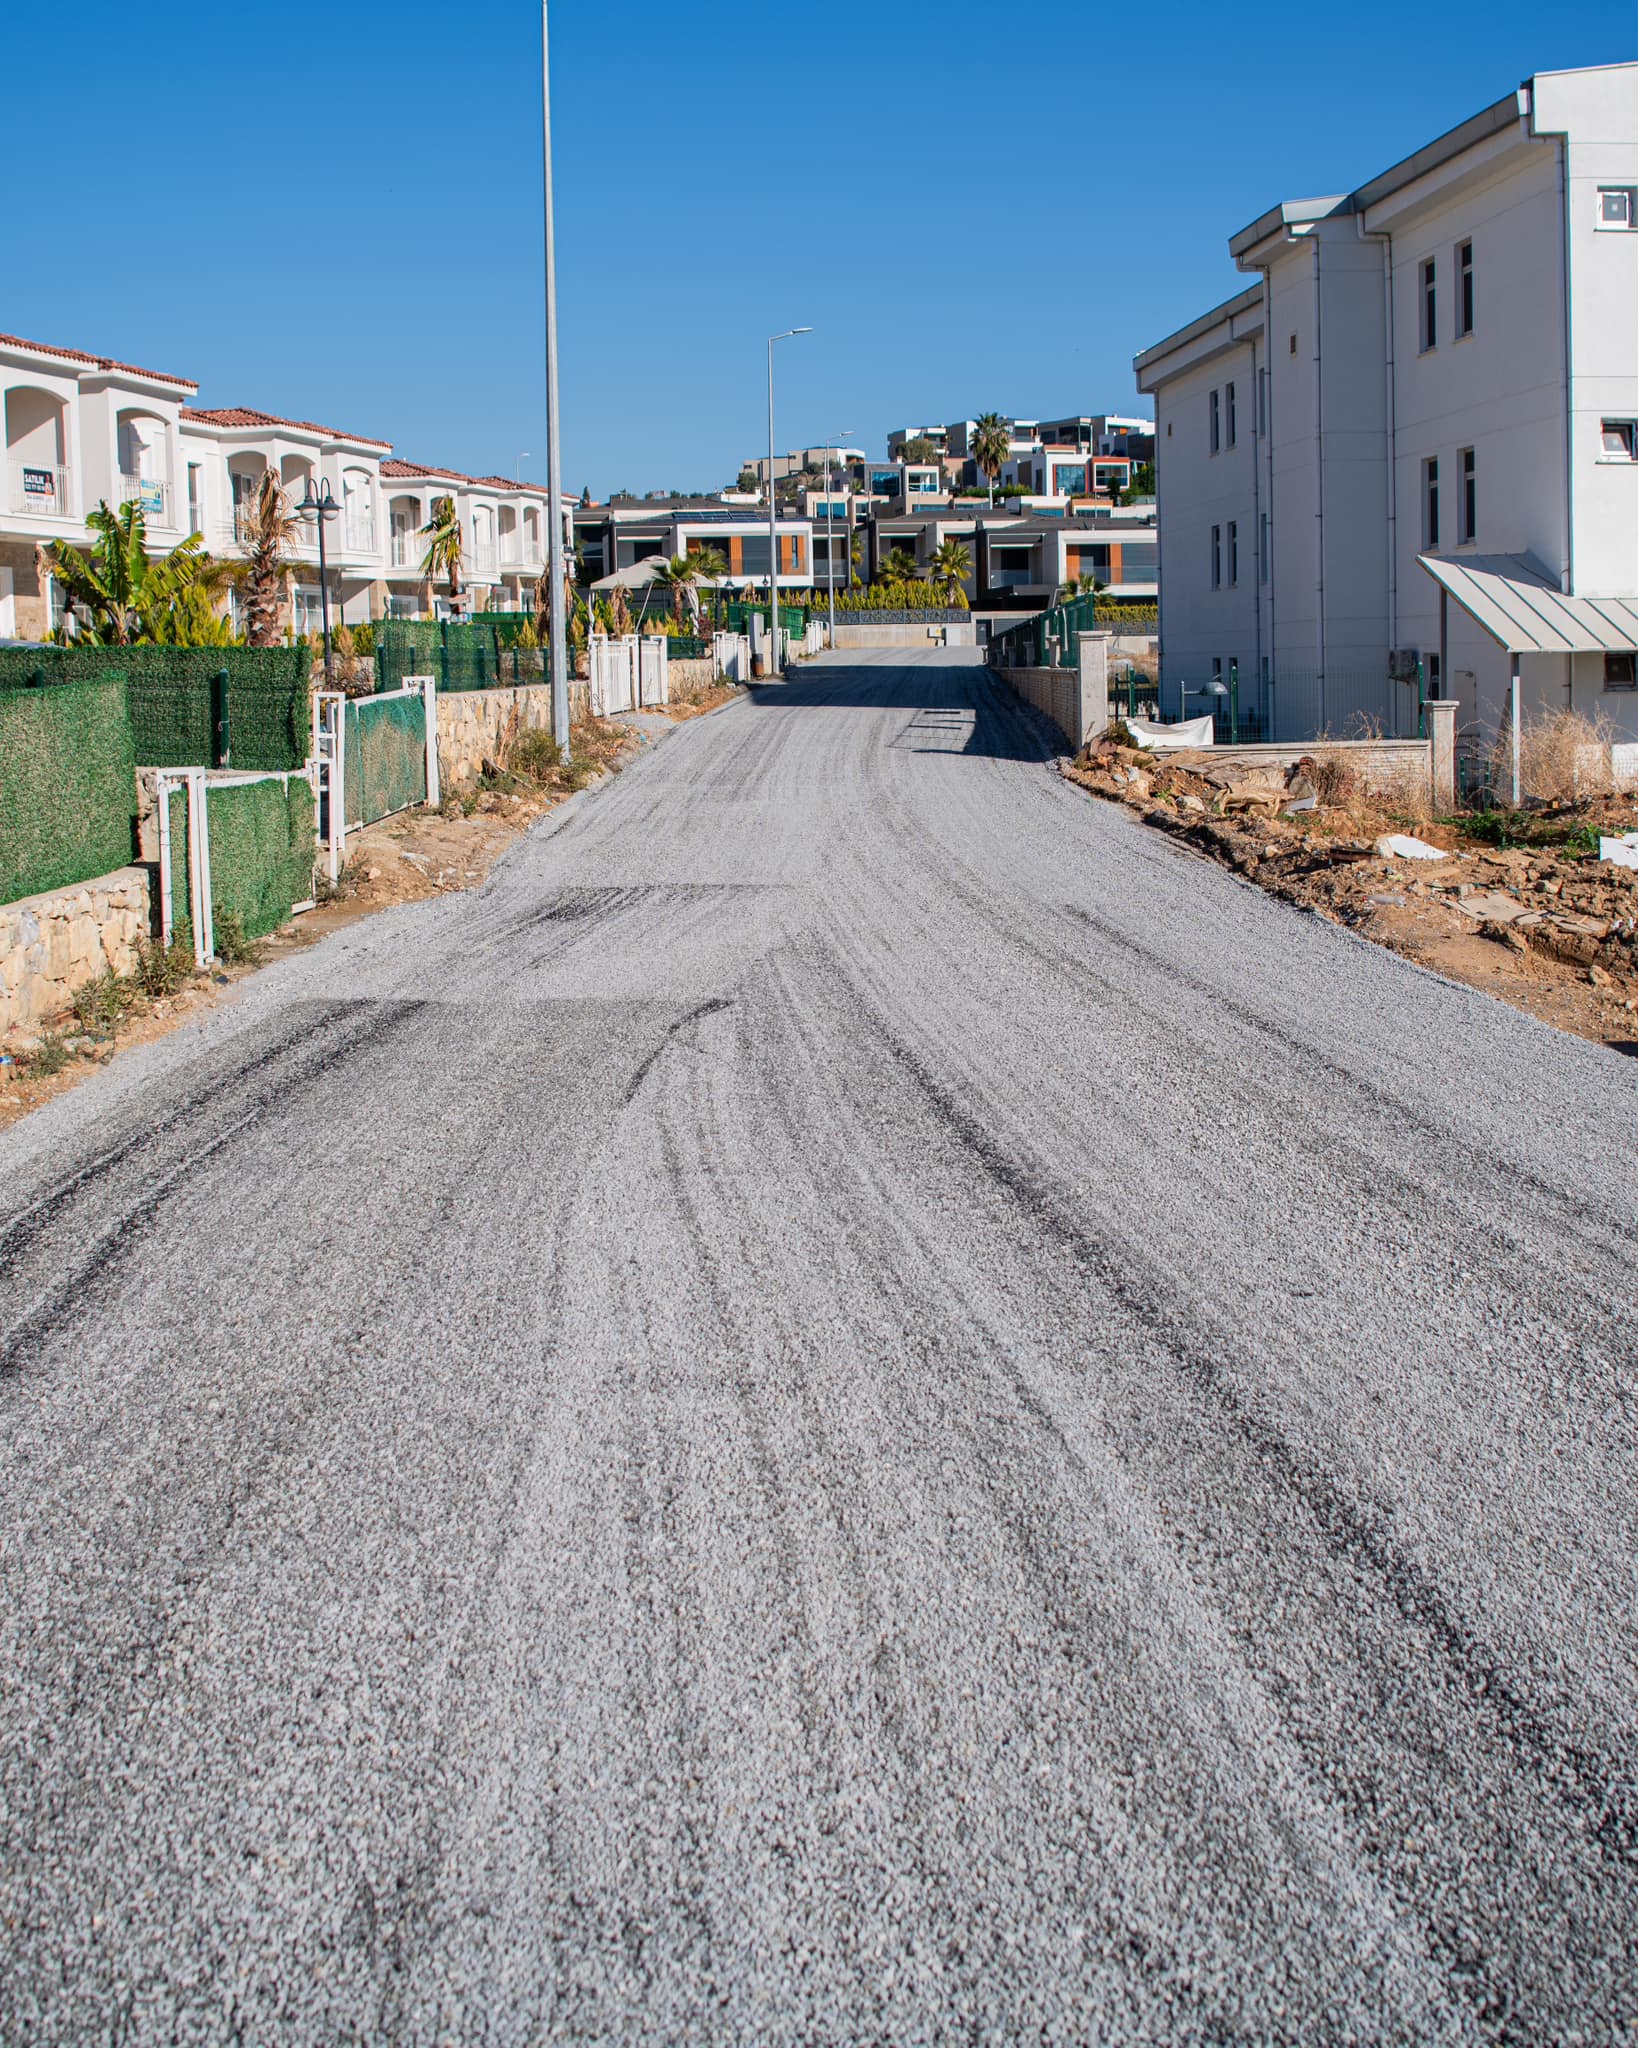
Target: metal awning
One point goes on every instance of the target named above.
(1518, 605)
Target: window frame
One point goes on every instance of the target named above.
(1628, 430)
(1217, 558)
(1467, 497)
(1616, 657)
(1427, 305)
(1617, 227)
(1214, 414)
(1430, 502)
(1465, 299)
(1233, 538)
(1230, 422)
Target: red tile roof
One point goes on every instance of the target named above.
(78, 355)
(397, 468)
(243, 416)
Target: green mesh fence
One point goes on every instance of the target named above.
(261, 851)
(735, 617)
(192, 707)
(687, 647)
(472, 654)
(67, 785)
(386, 750)
(181, 902)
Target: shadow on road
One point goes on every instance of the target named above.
(1004, 728)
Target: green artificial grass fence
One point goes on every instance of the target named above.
(67, 785)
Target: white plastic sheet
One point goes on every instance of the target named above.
(1192, 732)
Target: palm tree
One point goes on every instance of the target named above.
(678, 576)
(953, 564)
(900, 566)
(127, 596)
(268, 531)
(992, 443)
(442, 534)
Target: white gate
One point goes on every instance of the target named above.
(613, 675)
(654, 670)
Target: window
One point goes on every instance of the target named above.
(1433, 676)
(1262, 553)
(1217, 558)
(1430, 305)
(1621, 671)
(1228, 408)
(1234, 551)
(1618, 206)
(1620, 440)
(1464, 289)
(1293, 344)
(1216, 431)
(1467, 524)
(196, 498)
(1430, 502)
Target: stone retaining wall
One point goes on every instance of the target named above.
(51, 944)
(475, 726)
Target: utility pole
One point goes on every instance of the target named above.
(558, 636)
(776, 667)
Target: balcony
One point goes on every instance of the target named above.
(511, 551)
(482, 559)
(407, 550)
(38, 490)
(152, 494)
(360, 533)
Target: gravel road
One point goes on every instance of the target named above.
(862, 1404)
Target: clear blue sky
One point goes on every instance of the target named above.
(335, 214)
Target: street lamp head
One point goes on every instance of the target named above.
(789, 331)
(323, 506)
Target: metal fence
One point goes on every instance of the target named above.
(461, 654)
(1049, 639)
(1293, 703)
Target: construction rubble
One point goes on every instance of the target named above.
(1429, 888)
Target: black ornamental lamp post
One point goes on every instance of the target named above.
(321, 508)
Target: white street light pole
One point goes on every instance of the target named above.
(776, 669)
(558, 636)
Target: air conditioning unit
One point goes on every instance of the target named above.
(1403, 663)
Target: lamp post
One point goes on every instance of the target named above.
(830, 536)
(558, 635)
(775, 672)
(321, 508)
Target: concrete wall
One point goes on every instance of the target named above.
(1076, 700)
(959, 633)
(51, 944)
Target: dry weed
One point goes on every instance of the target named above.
(1564, 757)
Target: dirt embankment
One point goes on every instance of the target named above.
(1517, 904)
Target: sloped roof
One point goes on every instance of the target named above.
(1520, 607)
(78, 355)
(245, 416)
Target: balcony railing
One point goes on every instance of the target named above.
(153, 494)
(511, 551)
(38, 489)
(407, 550)
(360, 533)
(483, 560)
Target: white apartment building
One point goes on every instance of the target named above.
(82, 429)
(1409, 450)
(79, 429)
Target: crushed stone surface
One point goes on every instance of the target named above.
(861, 1402)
